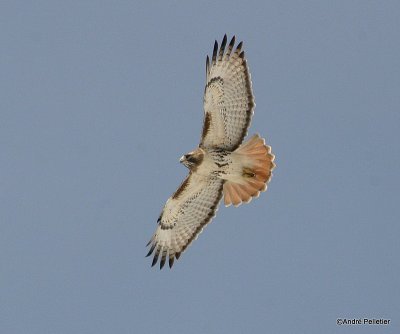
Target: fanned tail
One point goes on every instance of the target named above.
(258, 163)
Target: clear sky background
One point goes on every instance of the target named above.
(98, 100)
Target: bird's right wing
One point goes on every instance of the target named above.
(184, 215)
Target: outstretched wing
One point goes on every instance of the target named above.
(184, 215)
(228, 98)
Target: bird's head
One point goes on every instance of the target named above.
(193, 159)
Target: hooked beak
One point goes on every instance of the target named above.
(182, 159)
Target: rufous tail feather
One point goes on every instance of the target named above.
(258, 163)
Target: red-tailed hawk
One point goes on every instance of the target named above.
(220, 165)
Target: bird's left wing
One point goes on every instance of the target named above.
(184, 215)
(228, 97)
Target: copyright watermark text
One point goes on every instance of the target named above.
(362, 321)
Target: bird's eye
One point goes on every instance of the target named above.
(191, 158)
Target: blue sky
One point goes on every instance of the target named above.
(98, 102)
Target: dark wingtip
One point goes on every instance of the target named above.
(214, 56)
(171, 261)
(230, 46)
(241, 55)
(239, 46)
(177, 255)
(223, 44)
(155, 259)
(162, 262)
(151, 250)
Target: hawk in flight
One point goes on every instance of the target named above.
(221, 164)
